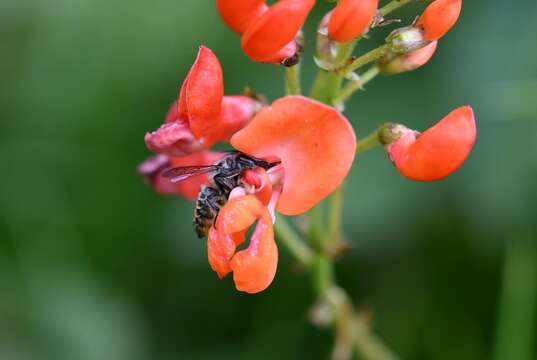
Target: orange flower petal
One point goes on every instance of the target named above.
(237, 111)
(315, 143)
(254, 268)
(274, 29)
(204, 92)
(351, 18)
(437, 152)
(439, 17)
(219, 253)
(238, 14)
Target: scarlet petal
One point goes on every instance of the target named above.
(219, 253)
(315, 143)
(284, 53)
(351, 18)
(237, 14)
(439, 17)
(276, 28)
(254, 268)
(237, 111)
(204, 92)
(173, 139)
(437, 152)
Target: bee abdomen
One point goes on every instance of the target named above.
(209, 202)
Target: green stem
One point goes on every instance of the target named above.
(344, 51)
(294, 244)
(327, 83)
(315, 236)
(326, 86)
(353, 86)
(392, 6)
(335, 220)
(317, 89)
(369, 142)
(323, 275)
(292, 80)
(365, 59)
(368, 344)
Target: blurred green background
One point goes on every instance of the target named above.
(94, 265)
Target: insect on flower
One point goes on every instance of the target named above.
(225, 175)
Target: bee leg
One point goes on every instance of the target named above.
(225, 183)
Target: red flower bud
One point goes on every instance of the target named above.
(238, 14)
(351, 18)
(437, 152)
(268, 32)
(438, 18)
(407, 61)
(202, 116)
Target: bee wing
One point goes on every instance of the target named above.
(184, 172)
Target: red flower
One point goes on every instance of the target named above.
(438, 18)
(351, 18)
(152, 168)
(408, 61)
(436, 153)
(202, 116)
(268, 33)
(254, 267)
(316, 146)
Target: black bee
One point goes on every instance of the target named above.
(225, 175)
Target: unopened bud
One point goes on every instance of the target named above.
(390, 132)
(399, 63)
(326, 50)
(406, 39)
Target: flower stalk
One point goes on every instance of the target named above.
(354, 85)
(369, 142)
(292, 80)
(393, 5)
(296, 247)
(351, 334)
(365, 59)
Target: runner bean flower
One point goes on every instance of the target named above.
(316, 146)
(268, 32)
(438, 18)
(437, 152)
(291, 155)
(202, 116)
(350, 18)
